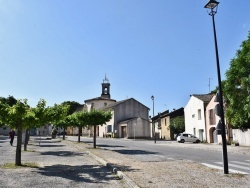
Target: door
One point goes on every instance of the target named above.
(124, 131)
(215, 138)
(201, 134)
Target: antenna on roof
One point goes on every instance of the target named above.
(209, 83)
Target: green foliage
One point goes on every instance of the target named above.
(79, 119)
(177, 124)
(98, 117)
(57, 114)
(73, 106)
(94, 117)
(17, 114)
(237, 88)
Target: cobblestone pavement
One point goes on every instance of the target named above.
(58, 165)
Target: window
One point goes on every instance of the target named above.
(165, 121)
(211, 117)
(193, 115)
(199, 114)
(109, 127)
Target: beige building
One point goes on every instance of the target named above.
(162, 123)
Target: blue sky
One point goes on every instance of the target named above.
(60, 50)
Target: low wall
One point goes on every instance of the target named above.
(242, 137)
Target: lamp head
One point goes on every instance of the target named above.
(152, 97)
(212, 5)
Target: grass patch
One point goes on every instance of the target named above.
(13, 166)
(236, 175)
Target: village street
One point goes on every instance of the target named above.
(147, 150)
(119, 163)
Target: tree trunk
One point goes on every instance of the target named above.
(63, 133)
(26, 139)
(19, 144)
(79, 133)
(94, 136)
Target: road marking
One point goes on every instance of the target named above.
(242, 163)
(237, 166)
(221, 168)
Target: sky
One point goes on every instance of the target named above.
(61, 50)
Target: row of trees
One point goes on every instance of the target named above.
(19, 115)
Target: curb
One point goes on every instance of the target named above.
(115, 170)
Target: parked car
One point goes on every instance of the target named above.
(186, 137)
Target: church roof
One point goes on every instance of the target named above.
(120, 102)
(99, 98)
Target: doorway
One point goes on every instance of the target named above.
(124, 131)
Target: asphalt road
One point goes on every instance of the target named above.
(147, 150)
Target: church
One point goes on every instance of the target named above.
(130, 117)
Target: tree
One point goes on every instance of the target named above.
(57, 115)
(36, 117)
(79, 119)
(177, 125)
(97, 117)
(237, 88)
(72, 108)
(15, 116)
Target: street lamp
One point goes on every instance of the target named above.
(152, 97)
(211, 7)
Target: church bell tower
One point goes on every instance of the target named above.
(105, 88)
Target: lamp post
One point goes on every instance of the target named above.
(212, 6)
(152, 97)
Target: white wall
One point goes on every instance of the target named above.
(242, 137)
(97, 104)
(191, 117)
(103, 128)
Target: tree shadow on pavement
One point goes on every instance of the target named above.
(83, 173)
(3, 141)
(134, 152)
(50, 145)
(109, 146)
(63, 153)
(4, 138)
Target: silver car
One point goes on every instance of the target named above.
(186, 137)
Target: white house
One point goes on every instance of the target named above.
(194, 112)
